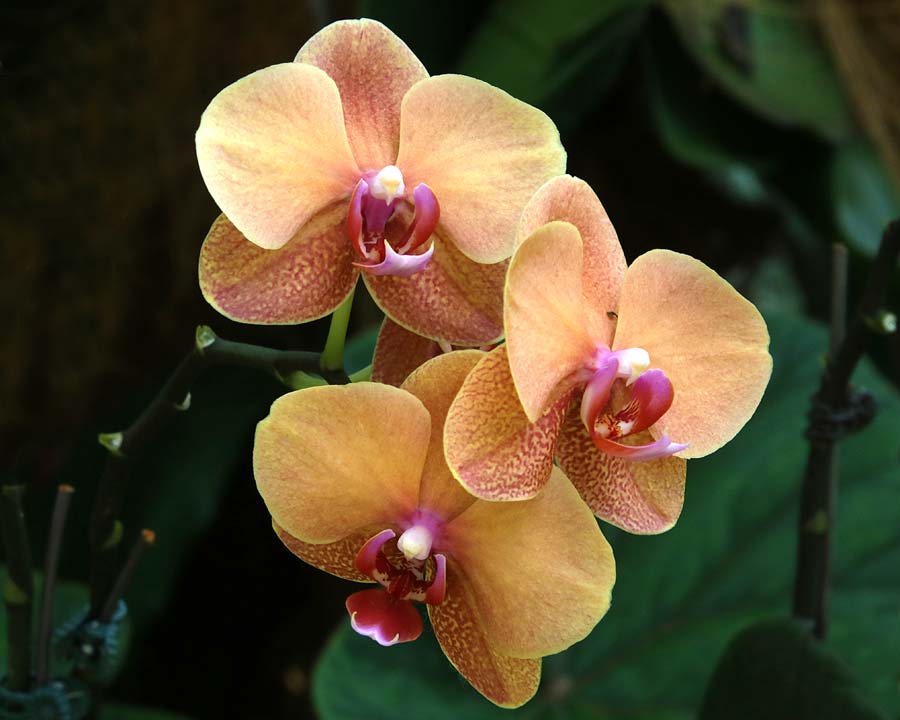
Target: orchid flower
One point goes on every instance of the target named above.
(621, 374)
(350, 160)
(357, 485)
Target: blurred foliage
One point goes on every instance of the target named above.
(776, 670)
(114, 711)
(680, 596)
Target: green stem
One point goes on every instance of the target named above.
(362, 375)
(333, 354)
(124, 446)
(19, 589)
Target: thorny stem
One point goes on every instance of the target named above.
(18, 590)
(51, 567)
(333, 353)
(818, 495)
(207, 350)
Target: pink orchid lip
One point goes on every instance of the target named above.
(378, 615)
(370, 209)
(651, 397)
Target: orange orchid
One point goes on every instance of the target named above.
(620, 374)
(350, 160)
(357, 485)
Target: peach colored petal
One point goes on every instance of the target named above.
(336, 558)
(273, 151)
(710, 341)
(505, 681)
(541, 571)
(304, 280)
(546, 331)
(453, 299)
(482, 152)
(640, 497)
(329, 460)
(372, 69)
(495, 452)
(398, 352)
(436, 384)
(571, 199)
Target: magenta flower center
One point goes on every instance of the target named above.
(410, 572)
(649, 396)
(378, 198)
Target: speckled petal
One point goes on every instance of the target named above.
(640, 497)
(571, 199)
(436, 384)
(540, 570)
(336, 558)
(482, 152)
(329, 460)
(546, 331)
(495, 452)
(273, 151)
(304, 280)
(398, 352)
(454, 299)
(505, 681)
(710, 341)
(373, 70)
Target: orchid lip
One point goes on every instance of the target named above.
(398, 265)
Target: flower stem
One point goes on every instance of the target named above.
(208, 349)
(51, 567)
(144, 541)
(836, 411)
(333, 354)
(361, 375)
(18, 590)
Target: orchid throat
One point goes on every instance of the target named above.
(650, 396)
(376, 199)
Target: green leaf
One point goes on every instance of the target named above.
(769, 57)
(865, 198)
(114, 711)
(680, 597)
(560, 56)
(359, 349)
(776, 670)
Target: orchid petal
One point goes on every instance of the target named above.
(273, 151)
(453, 299)
(397, 265)
(505, 681)
(373, 69)
(387, 620)
(571, 199)
(304, 280)
(540, 570)
(398, 352)
(639, 497)
(494, 451)
(544, 316)
(483, 152)
(329, 460)
(337, 558)
(710, 342)
(435, 384)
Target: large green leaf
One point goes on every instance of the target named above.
(777, 670)
(769, 56)
(682, 596)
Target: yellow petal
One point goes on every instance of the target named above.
(505, 681)
(337, 558)
(546, 333)
(482, 152)
(273, 151)
(304, 280)
(373, 69)
(570, 199)
(541, 571)
(330, 460)
(436, 383)
(640, 497)
(710, 341)
(492, 448)
(398, 352)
